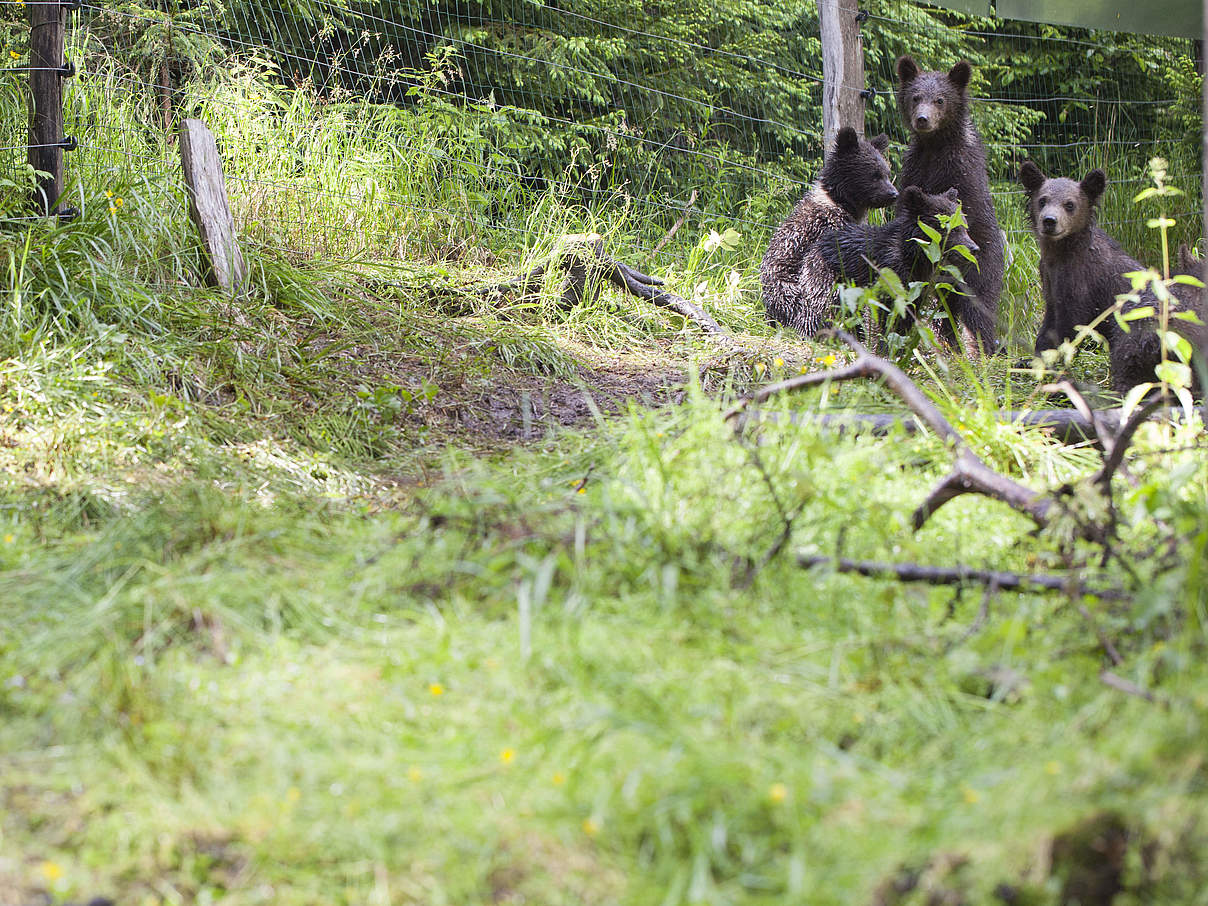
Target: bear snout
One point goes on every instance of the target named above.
(922, 123)
(1048, 224)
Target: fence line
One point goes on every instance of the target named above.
(745, 133)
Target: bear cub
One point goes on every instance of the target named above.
(1135, 353)
(853, 180)
(946, 150)
(1081, 267)
(854, 253)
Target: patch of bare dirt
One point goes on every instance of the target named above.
(523, 407)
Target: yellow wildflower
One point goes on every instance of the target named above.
(293, 794)
(559, 778)
(970, 795)
(760, 368)
(118, 201)
(414, 774)
(8, 539)
(1053, 768)
(778, 792)
(436, 688)
(779, 362)
(52, 871)
(590, 827)
(507, 756)
(16, 56)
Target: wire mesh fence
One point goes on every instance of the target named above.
(380, 129)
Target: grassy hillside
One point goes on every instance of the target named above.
(366, 588)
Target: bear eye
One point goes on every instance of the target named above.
(1069, 206)
(939, 102)
(1043, 200)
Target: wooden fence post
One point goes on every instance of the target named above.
(47, 31)
(842, 69)
(209, 207)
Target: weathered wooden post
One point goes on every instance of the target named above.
(209, 208)
(842, 68)
(47, 31)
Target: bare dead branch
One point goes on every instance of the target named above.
(1104, 642)
(675, 226)
(970, 475)
(1115, 457)
(962, 575)
(1120, 684)
(1067, 426)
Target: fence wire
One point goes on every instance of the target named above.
(384, 129)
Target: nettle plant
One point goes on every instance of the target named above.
(1151, 297)
(900, 316)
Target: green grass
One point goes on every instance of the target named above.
(286, 620)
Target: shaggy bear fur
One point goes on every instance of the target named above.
(854, 179)
(854, 253)
(1081, 267)
(1137, 352)
(946, 150)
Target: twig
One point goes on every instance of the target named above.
(961, 575)
(1120, 684)
(675, 227)
(786, 518)
(1120, 446)
(1104, 642)
(983, 611)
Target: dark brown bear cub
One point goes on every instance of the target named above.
(1137, 352)
(946, 150)
(1081, 267)
(854, 179)
(852, 253)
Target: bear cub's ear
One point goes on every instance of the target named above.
(960, 74)
(907, 69)
(847, 140)
(952, 195)
(880, 142)
(1030, 176)
(1094, 184)
(911, 199)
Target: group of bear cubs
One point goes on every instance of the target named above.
(825, 240)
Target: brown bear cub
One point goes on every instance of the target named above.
(946, 150)
(1081, 267)
(1135, 353)
(854, 253)
(854, 179)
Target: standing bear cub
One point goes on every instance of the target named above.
(1081, 267)
(854, 179)
(946, 150)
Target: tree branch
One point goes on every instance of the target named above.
(961, 575)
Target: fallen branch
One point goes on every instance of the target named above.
(1066, 426)
(584, 265)
(969, 474)
(1120, 684)
(962, 575)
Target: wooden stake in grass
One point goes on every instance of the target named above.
(209, 208)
